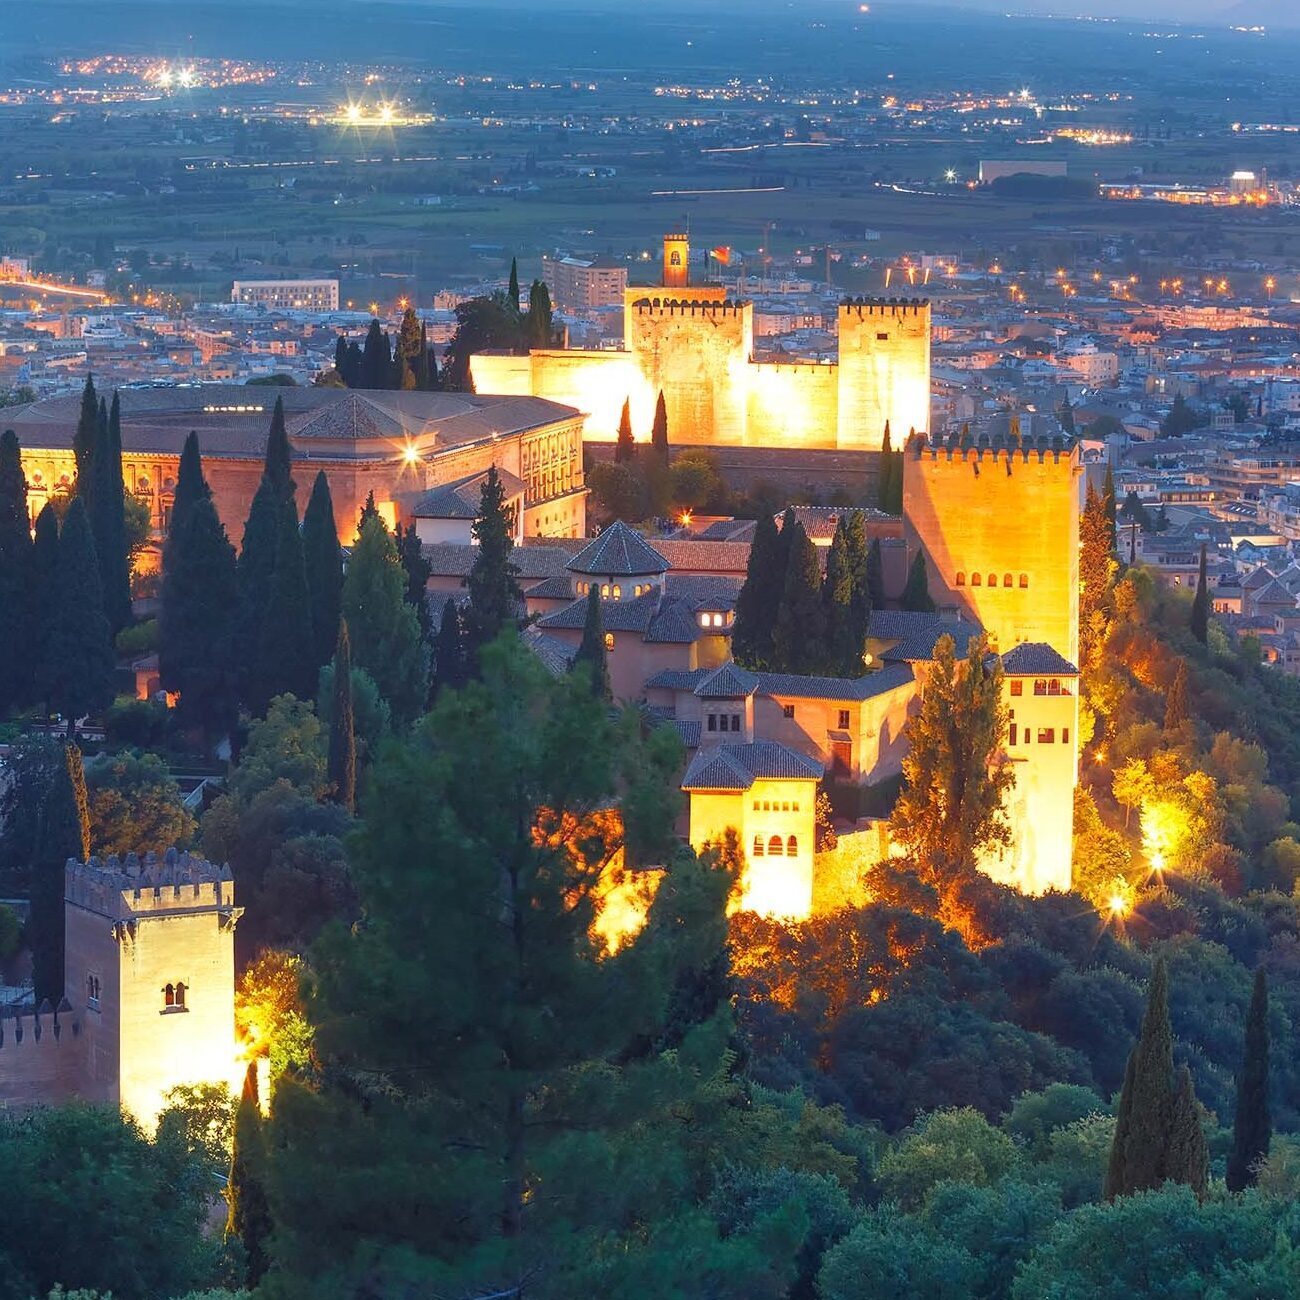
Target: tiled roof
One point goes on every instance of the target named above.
(689, 731)
(674, 623)
(619, 551)
(919, 645)
(454, 560)
(461, 499)
(556, 655)
(726, 556)
(820, 522)
(889, 678)
(700, 591)
(1037, 659)
(1274, 593)
(727, 682)
(895, 624)
(678, 679)
(559, 587)
(737, 767)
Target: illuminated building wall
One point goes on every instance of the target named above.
(770, 815)
(999, 526)
(697, 347)
(137, 931)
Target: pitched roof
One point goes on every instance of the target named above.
(461, 499)
(455, 559)
(737, 767)
(619, 551)
(919, 645)
(888, 678)
(1037, 659)
(557, 656)
(727, 682)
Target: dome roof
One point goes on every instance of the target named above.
(619, 552)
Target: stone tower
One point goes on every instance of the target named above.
(150, 956)
(884, 370)
(677, 261)
(999, 525)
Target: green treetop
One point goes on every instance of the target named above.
(759, 598)
(1201, 604)
(876, 574)
(286, 653)
(659, 430)
(85, 437)
(342, 737)
(1252, 1125)
(846, 597)
(494, 595)
(108, 520)
(382, 627)
(797, 637)
(451, 670)
(591, 650)
(77, 670)
(324, 563)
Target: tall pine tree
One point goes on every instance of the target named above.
(418, 571)
(77, 670)
(540, 330)
(1177, 706)
(196, 624)
(190, 485)
(846, 600)
(759, 598)
(797, 637)
(324, 561)
(1252, 1123)
(884, 477)
(1108, 500)
(512, 290)
(15, 577)
(591, 650)
(625, 444)
(382, 627)
(85, 438)
(108, 520)
(916, 591)
(376, 359)
(1097, 569)
(249, 1217)
(451, 671)
(342, 767)
(1201, 604)
(494, 595)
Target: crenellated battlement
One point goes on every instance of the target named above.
(993, 450)
(24, 1026)
(869, 308)
(687, 307)
(131, 887)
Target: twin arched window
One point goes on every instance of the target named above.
(174, 997)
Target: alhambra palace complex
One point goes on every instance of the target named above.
(149, 997)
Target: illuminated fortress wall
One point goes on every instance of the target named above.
(697, 347)
(1000, 530)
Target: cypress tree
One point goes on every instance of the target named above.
(916, 591)
(108, 520)
(1252, 1124)
(876, 574)
(272, 502)
(85, 437)
(1177, 708)
(418, 572)
(249, 1218)
(196, 624)
(450, 669)
(63, 833)
(286, 658)
(884, 490)
(1108, 500)
(78, 665)
(368, 511)
(797, 635)
(759, 597)
(190, 485)
(541, 319)
(1187, 1158)
(15, 577)
(1066, 417)
(494, 595)
(343, 736)
(352, 375)
(1139, 1155)
(591, 650)
(659, 430)
(512, 293)
(846, 598)
(324, 564)
(376, 359)
(625, 446)
(382, 627)
(1201, 604)
(341, 356)
(40, 598)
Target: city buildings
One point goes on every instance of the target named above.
(287, 295)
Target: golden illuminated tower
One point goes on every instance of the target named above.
(677, 261)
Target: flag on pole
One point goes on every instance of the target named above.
(721, 254)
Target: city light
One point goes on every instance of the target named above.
(411, 453)
(1118, 906)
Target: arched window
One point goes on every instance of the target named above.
(609, 640)
(180, 996)
(792, 847)
(1006, 580)
(169, 996)
(604, 590)
(1024, 579)
(618, 592)
(758, 847)
(993, 579)
(975, 580)
(961, 579)
(774, 849)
